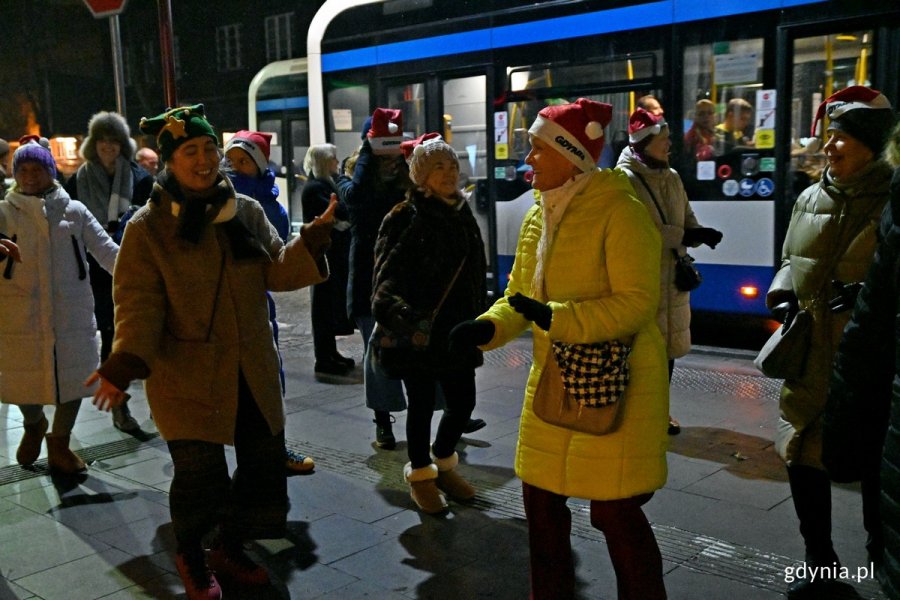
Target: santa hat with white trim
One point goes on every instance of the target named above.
(861, 112)
(386, 133)
(643, 124)
(254, 143)
(574, 130)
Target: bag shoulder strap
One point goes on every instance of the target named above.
(448, 288)
(215, 305)
(643, 181)
(846, 235)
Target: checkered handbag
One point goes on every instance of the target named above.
(593, 375)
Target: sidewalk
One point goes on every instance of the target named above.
(724, 521)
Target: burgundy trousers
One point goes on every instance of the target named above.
(632, 546)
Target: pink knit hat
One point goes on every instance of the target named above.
(575, 130)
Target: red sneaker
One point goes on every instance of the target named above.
(234, 564)
(199, 581)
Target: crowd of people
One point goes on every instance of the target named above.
(171, 254)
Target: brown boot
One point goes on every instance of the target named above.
(423, 490)
(449, 481)
(30, 446)
(60, 458)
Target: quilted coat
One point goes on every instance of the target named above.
(167, 316)
(825, 216)
(602, 283)
(862, 424)
(674, 313)
(47, 326)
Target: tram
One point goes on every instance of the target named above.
(480, 79)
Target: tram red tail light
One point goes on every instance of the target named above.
(749, 291)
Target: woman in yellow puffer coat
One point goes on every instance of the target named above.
(586, 270)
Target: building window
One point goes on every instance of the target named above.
(228, 47)
(279, 37)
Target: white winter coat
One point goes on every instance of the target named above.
(674, 313)
(47, 326)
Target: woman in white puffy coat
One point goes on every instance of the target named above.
(646, 162)
(47, 326)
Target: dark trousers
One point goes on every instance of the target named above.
(632, 547)
(252, 504)
(323, 297)
(811, 493)
(101, 286)
(459, 392)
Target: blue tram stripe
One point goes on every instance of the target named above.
(651, 14)
(282, 104)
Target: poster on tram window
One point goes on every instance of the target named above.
(736, 68)
(765, 119)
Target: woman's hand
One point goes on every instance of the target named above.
(532, 310)
(107, 395)
(9, 248)
(469, 334)
(316, 235)
(702, 235)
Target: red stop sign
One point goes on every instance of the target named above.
(105, 8)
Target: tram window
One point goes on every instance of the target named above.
(463, 124)
(410, 98)
(275, 154)
(638, 67)
(728, 144)
(823, 64)
(347, 101)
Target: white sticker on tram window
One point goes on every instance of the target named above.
(706, 170)
(736, 68)
(343, 119)
(501, 127)
(730, 187)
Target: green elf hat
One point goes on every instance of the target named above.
(176, 126)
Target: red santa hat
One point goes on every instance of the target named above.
(254, 143)
(862, 112)
(386, 132)
(643, 124)
(575, 130)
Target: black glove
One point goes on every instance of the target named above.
(701, 235)
(846, 295)
(785, 311)
(532, 310)
(469, 334)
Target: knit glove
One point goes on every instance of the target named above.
(469, 334)
(532, 310)
(701, 235)
(785, 311)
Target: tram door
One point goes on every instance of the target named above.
(619, 82)
(454, 105)
(290, 141)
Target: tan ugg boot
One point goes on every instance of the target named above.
(423, 490)
(449, 481)
(30, 446)
(60, 458)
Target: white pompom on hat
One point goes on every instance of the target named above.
(423, 153)
(575, 130)
(643, 124)
(386, 133)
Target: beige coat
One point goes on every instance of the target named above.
(165, 292)
(674, 313)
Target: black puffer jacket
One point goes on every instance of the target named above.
(420, 247)
(862, 419)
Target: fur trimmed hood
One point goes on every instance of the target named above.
(107, 124)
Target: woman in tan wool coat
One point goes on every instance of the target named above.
(192, 319)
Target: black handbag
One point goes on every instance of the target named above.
(687, 277)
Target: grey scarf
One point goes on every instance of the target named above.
(104, 198)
